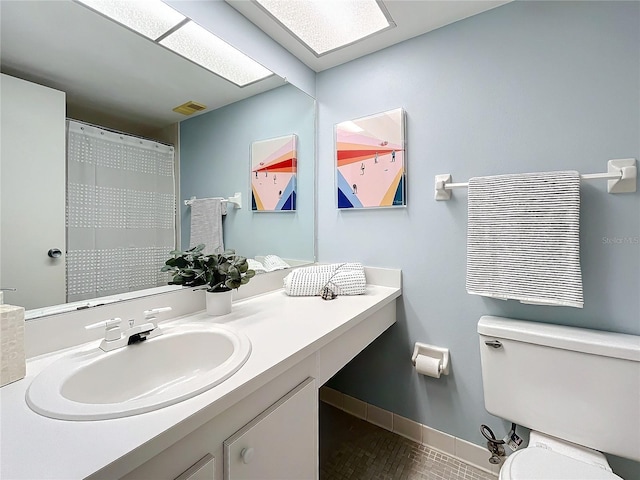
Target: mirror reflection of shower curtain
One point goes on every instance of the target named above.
(120, 212)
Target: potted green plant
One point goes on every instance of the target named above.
(219, 273)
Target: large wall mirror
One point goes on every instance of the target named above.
(117, 79)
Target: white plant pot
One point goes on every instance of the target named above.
(218, 303)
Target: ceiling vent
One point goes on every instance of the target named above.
(189, 108)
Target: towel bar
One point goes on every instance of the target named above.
(621, 173)
(236, 199)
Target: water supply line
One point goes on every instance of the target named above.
(496, 447)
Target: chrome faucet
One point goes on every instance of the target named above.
(114, 337)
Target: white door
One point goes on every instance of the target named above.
(279, 444)
(32, 193)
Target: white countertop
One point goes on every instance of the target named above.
(283, 330)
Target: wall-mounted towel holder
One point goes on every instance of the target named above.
(621, 173)
(236, 199)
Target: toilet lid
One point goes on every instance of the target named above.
(543, 464)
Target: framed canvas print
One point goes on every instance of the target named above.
(274, 164)
(371, 161)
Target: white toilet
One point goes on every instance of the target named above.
(578, 391)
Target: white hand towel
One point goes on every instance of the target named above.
(523, 238)
(344, 278)
(206, 224)
(274, 262)
(256, 266)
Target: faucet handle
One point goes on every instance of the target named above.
(111, 326)
(149, 314)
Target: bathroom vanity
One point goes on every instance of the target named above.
(261, 422)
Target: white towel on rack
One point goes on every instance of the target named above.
(206, 224)
(523, 239)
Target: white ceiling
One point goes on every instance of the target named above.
(105, 67)
(412, 18)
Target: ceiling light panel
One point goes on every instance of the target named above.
(326, 25)
(151, 18)
(204, 48)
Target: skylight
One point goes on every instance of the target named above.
(159, 22)
(204, 48)
(150, 18)
(327, 25)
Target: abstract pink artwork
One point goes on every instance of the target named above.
(371, 161)
(274, 165)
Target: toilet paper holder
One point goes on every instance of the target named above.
(439, 353)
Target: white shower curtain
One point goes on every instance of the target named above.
(120, 212)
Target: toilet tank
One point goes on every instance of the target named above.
(572, 383)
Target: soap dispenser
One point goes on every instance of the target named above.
(12, 356)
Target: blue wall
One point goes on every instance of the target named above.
(215, 162)
(530, 86)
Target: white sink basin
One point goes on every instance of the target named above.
(182, 362)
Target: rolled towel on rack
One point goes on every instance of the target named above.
(344, 278)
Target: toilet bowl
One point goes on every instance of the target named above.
(576, 389)
(548, 458)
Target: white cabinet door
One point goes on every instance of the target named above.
(204, 469)
(279, 444)
(32, 203)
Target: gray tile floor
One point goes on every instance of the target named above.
(352, 449)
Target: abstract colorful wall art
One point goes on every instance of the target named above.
(371, 161)
(274, 164)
